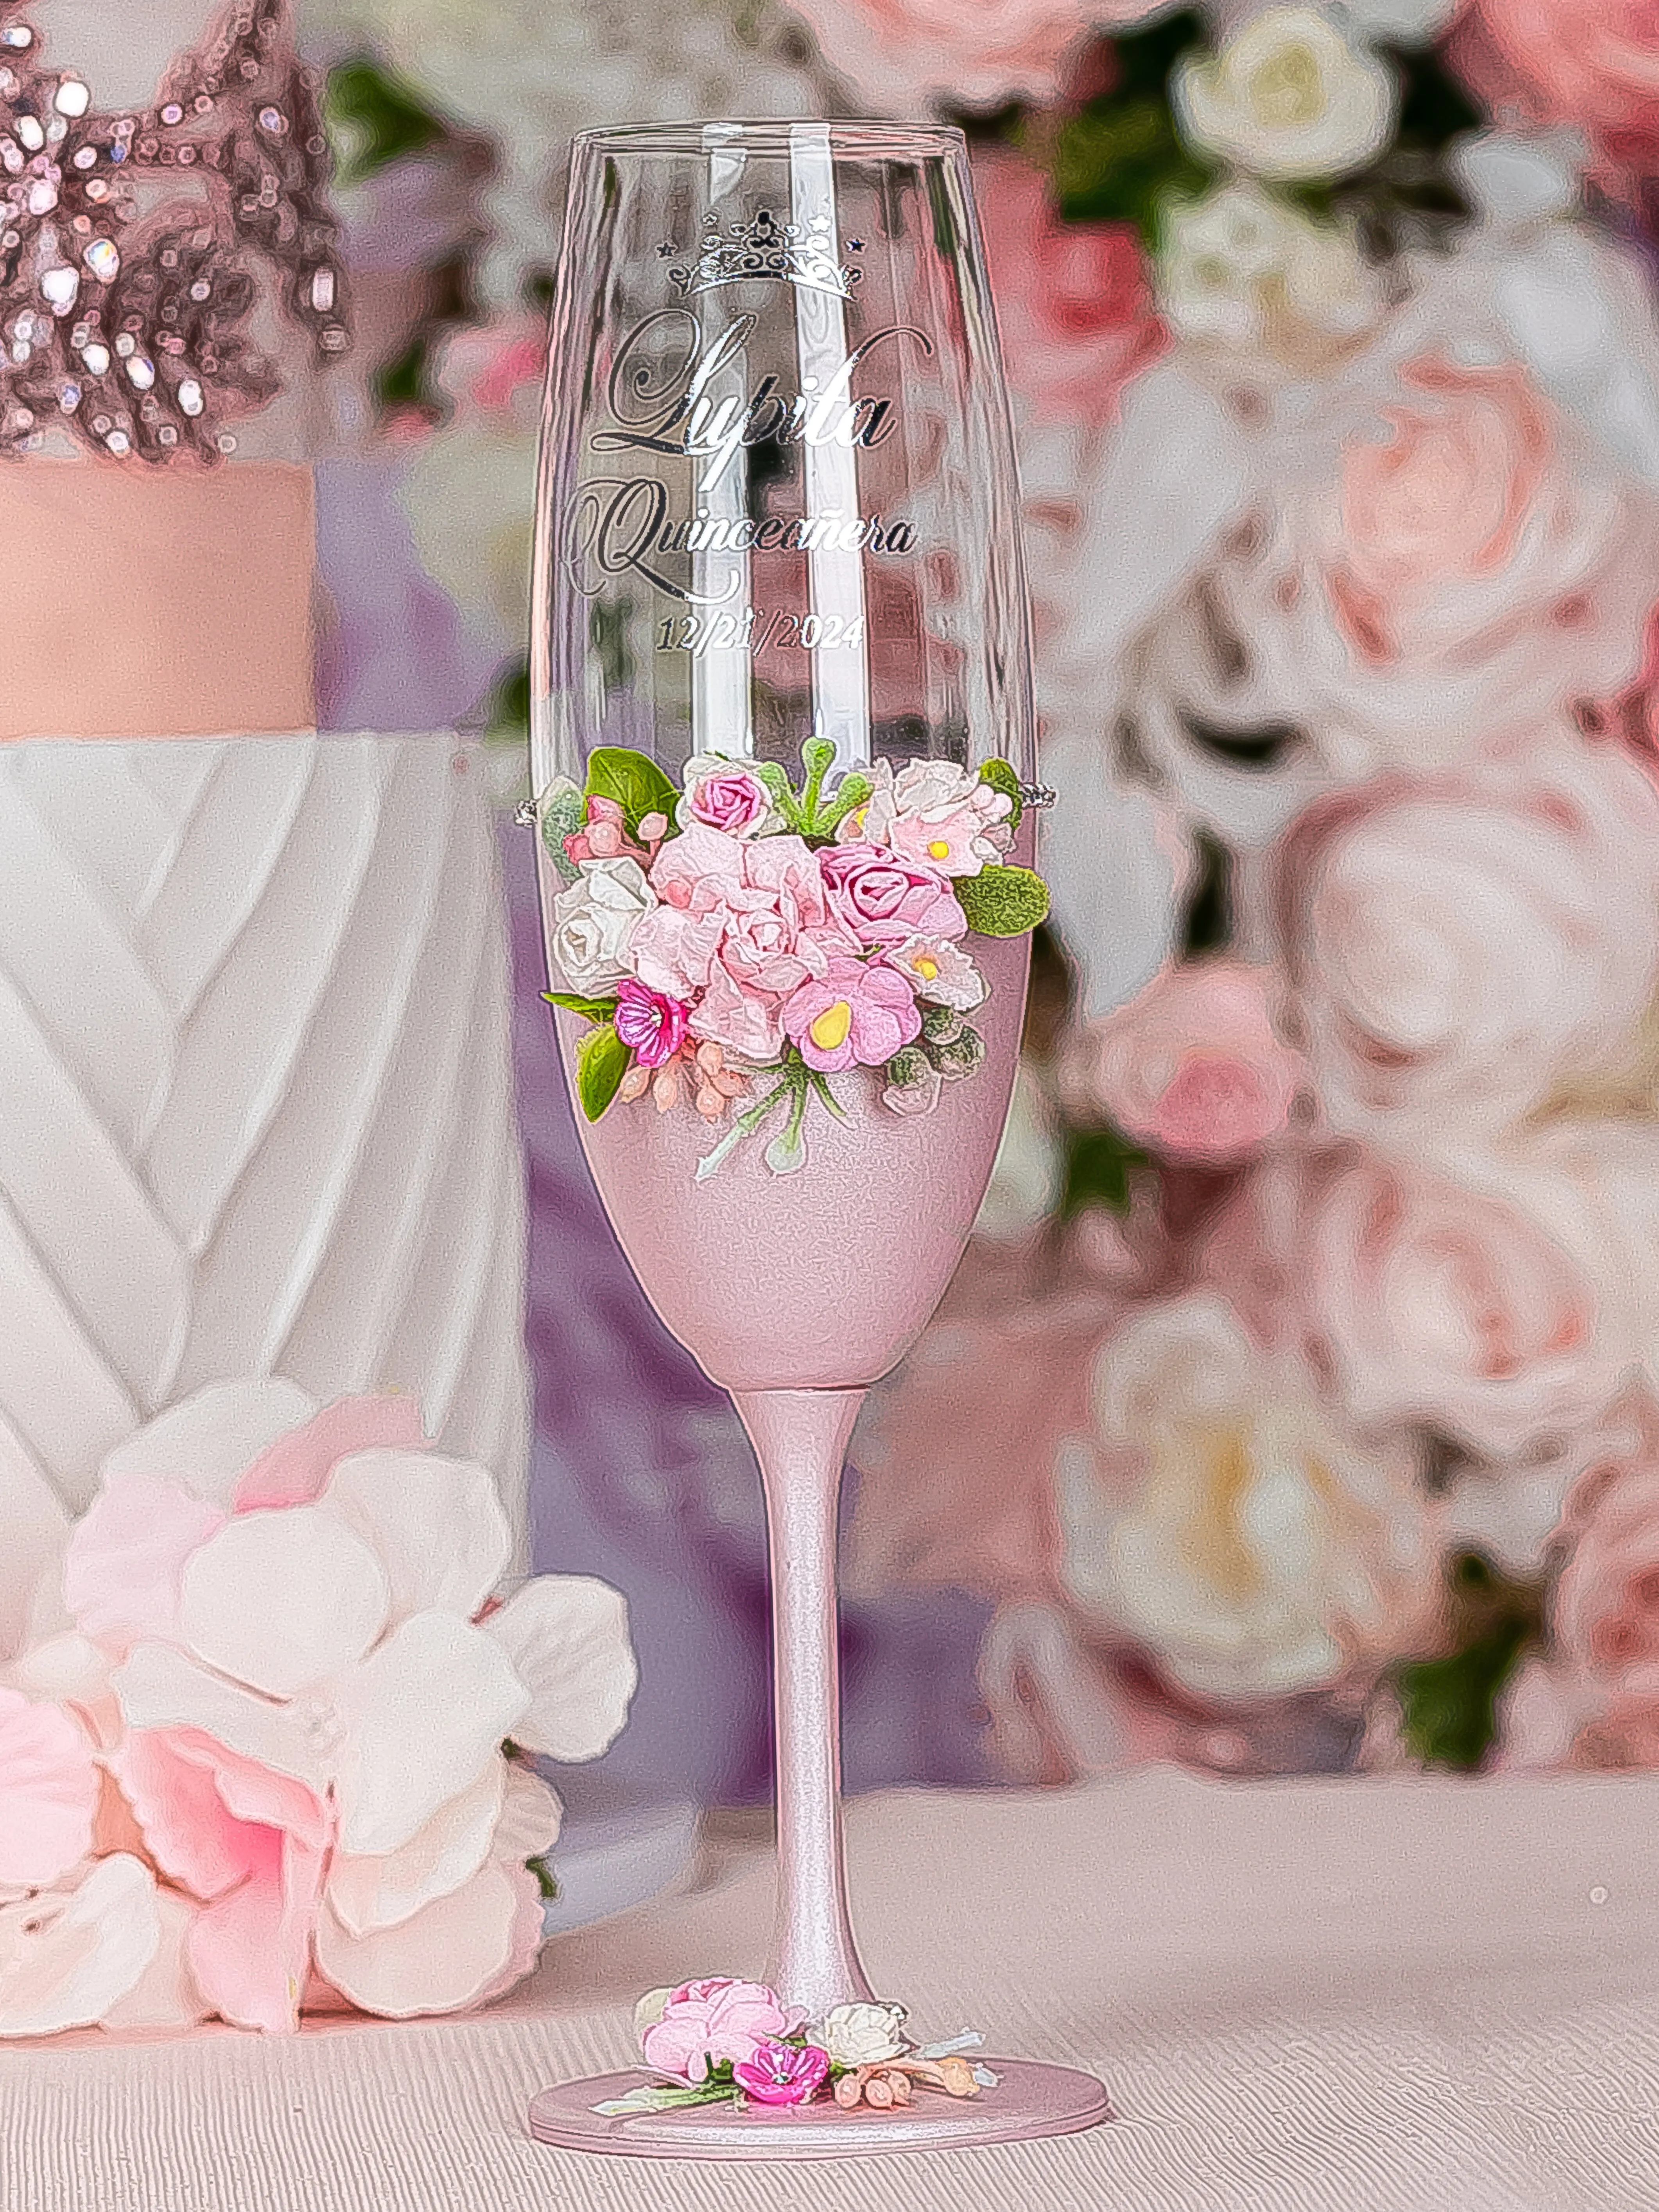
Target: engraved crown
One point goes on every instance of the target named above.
(803, 254)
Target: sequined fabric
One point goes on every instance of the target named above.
(138, 247)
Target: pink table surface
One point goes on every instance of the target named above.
(1429, 1996)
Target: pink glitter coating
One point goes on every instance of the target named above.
(125, 311)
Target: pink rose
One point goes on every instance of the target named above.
(1441, 500)
(48, 1792)
(1446, 1308)
(1073, 304)
(854, 1014)
(1606, 1611)
(1459, 943)
(980, 53)
(710, 2023)
(1594, 64)
(733, 799)
(1192, 1065)
(884, 899)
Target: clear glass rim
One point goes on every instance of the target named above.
(774, 135)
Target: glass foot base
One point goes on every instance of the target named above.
(1028, 2101)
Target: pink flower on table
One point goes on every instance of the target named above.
(724, 795)
(783, 2073)
(856, 1014)
(1073, 303)
(1194, 1064)
(48, 1792)
(711, 2023)
(882, 899)
(71, 1953)
(651, 1026)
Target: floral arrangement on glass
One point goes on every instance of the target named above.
(728, 2041)
(266, 1734)
(755, 935)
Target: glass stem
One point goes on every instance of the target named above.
(800, 1438)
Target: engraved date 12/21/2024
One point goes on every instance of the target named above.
(757, 630)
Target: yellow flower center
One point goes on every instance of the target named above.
(831, 1026)
(1288, 89)
(926, 969)
(939, 849)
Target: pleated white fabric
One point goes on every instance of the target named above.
(1346, 1996)
(256, 1109)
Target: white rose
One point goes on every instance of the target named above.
(595, 922)
(1287, 97)
(861, 2034)
(1244, 270)
(1226, 1522)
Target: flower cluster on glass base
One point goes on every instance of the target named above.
(745, 937)
(724, 2041)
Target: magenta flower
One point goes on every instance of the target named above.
(885, 898)
(783, 2073)
(651, 1026)
(853, 1015)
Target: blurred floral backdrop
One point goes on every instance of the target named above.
(1297, 1406)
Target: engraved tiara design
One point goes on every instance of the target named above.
(803, 254)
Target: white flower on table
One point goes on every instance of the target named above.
(1287, 96)
(861, 2034)
(594, 921)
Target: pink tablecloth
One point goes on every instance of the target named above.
(1347, 1996)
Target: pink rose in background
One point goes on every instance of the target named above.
(1605, 1607)
(783, 2073)
(712, 2023)
(980, 53)
(1457, 944)
(884, 899)
(855, 1014)
(1594, 64)
(1194, 1064)
(1073, 304)
(1437, 1306)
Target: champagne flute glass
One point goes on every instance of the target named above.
(781, 737)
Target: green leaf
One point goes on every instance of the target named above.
(1003, 902)
(1099, 1165)
(562, 810)
(634, 780)
(1448, 1705)
(592, 1010)
(375, 118)
(1122, 157)
(601, 1064)
(1434, 108)
(546, 1880)
(507, 708)
(1001, 776)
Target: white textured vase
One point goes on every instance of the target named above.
(256, 1108)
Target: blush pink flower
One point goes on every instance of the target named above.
(856, 1014)
(882, 899)
(783, 2073)
(604, 836)
(728, 798)
(743, 1020)
(651, 1026)
(48, 1792)
(710, 2023)
(1073, 304)
(1194, 1064)
(901, 53)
